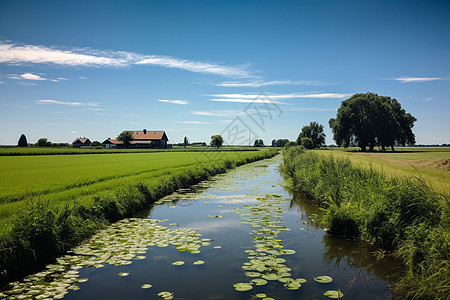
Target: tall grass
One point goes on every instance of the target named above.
(46, 227)
(402, 215)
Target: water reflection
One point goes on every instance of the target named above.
(350, 251)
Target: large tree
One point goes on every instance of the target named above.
(185, 141)
(125, 137)
(22, 141)
(216, 141)
(370, 120)
(258, 143)
(314, 131)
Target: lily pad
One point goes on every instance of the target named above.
(261, 295)
(334, 294)
(301, 280)
(271, 276)
(323, 279)
(178, 263)
(242, 287)
(259, 281)
(199, 262)
(146, 286)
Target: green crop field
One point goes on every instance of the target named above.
(50, 203)
(430, 164)
(62, 179)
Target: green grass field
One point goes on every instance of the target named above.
(50, 203)
(62, 179)
(431, 164)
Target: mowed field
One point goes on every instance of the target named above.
(69, 179)
(431, 164)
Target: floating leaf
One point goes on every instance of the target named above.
(178, 263)
(252, 274)
(323, 279)
(261, 295)
(199, 262)
(301, 280)
(146, 286)
(271, 276)
(242, 287)
(217, 247)
(334, 294)
(259, 281)
(166, 295)
(123, 274)
(215, 216)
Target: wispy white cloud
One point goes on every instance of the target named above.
(30, 76)
(406, 79)
(428, 99)
(75, 57)
(181, 102)
(218, 113)
(194, 66)
(91, 105)
(73, 131)
(193, 122)
(274, 97)
(260, 83)
(237, 100)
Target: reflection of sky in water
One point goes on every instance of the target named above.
(214, 280)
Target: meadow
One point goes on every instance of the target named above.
(429, 163)
(49, 203)
(401, 215)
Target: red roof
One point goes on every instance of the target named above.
(111, 141)
(149, 135)
(82, 140)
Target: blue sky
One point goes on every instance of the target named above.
(198, 68)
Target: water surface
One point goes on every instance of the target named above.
(241, 227)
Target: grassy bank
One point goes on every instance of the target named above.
(398, 214)
(431, 164)
(73, 196)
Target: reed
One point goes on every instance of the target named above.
(400, 215)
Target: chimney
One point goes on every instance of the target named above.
(145, 131)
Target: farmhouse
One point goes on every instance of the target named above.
(110, 144)
(81, 142)
(149, 139)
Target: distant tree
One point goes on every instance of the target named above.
(307, 143)
(290, 144)
(259, 143)
(369, 120)
(216, 141)
(274, 143)
(22, 141)
(281, 142)
(314, 131)
(96, 144)
(185, 141)
(125, 137)
(43, 142)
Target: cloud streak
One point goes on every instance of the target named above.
(218, 113)
(406, 79)
(11, 53)
(269, 83)
(180, 102)
(92, 105)
(248, 98)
